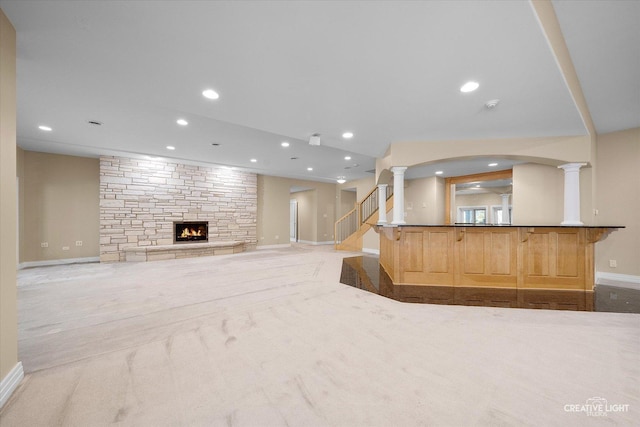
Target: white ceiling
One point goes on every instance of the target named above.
(387, 71)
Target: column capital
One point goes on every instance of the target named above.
(571, 167)
(382, 185)
(398, 169)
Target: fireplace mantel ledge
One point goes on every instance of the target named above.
(183, 250)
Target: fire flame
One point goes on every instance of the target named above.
(190, 232)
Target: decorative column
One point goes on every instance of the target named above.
(506, 218)
(382, 204)
(572, 193)
(398, 194)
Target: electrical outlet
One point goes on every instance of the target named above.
(613, 263)
(44, 244)
(65, 248)
(78, 242)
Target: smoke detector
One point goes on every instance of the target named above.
(490, 105)
(315, 139)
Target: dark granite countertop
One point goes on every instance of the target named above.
(499, 225)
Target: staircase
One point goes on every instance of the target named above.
(350, 228)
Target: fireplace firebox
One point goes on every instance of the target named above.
(191, 231)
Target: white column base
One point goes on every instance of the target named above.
(571, 223)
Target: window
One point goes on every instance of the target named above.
(472, 214)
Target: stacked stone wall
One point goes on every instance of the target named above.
(141, 199)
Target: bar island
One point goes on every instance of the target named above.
(502, 265)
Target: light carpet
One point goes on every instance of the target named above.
(271, 338)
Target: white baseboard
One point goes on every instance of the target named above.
(10, 383)
(371, 251)
(281, 245)
(619, 280)
(30, 264)
(309, 242)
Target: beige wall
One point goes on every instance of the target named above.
(20, 176)
(326, 217)
(8, 199)
(347, 200)
(60, 206)
(273, 210)
(538, 195)
(618, 203)
(424, 200)
(307, 214)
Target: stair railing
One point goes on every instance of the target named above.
(346, 226)
(369, 205)
(355, 218)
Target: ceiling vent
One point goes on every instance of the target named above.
(490, 105)
(315, 139)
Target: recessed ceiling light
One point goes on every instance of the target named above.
(170, 147)
(347, 157)
(211, 94)
(182, 122)
(469, 87)
(492, 165)
(341, 181)
(284, 143)
(254, 160)
(439, 172)
(45, 128)
(309, 169)
(347, 135)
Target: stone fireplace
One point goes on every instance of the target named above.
(190, 231)
(142, 200)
